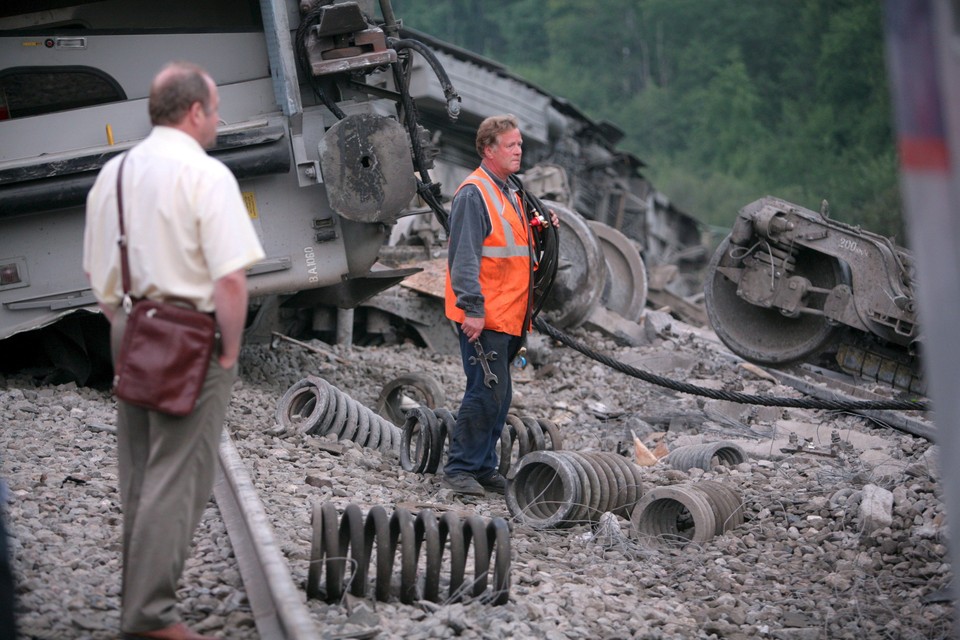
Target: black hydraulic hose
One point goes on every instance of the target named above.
(765, 401)
(428, 191)
(449, 93)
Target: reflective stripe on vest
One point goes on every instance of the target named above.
(505, 261)
(495, 196)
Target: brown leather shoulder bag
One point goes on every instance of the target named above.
(166, 347)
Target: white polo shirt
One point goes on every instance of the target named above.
(185, 220)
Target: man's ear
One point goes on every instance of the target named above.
(196, 112)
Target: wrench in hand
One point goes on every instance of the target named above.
(484, 358)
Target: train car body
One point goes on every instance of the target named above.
(332, 120)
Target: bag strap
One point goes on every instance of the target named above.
(122, 241)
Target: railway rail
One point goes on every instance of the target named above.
(276, 602)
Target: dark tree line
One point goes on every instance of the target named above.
(726, 101)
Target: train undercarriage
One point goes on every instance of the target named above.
(791, 285)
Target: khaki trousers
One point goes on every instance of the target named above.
(167, 467)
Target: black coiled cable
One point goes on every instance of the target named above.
(449, 93)
(764, 401)
(546, 242)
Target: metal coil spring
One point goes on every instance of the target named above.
(563, 488)
(706, 456)
(417, 543)
(680, 514)
(314, 406)
(428, 430)
(777, 255)
(416, 387)
(522, 435)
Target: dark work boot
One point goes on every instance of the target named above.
(462, 483)
(494, 482)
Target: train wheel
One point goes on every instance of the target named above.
(581, 274)
(763, 335)
(625, 289)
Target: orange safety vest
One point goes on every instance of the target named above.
(505, 267)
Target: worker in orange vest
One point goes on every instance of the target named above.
(489, 294)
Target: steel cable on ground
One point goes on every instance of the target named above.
(732, 396)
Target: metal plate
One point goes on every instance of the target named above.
(625, 287)
(367, 168)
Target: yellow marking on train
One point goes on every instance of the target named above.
(250, 201)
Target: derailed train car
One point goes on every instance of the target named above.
(346, 134)
(791, 285)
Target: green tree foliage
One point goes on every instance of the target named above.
(725, 101)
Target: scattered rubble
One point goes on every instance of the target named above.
(851, 545)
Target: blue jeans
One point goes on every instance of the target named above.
(483, 410)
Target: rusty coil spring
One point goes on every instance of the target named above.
(523, 435)
(680, 514)
(553, 489)
(427, 430)
(314, 406)
(706, 456)
(417, 543)
(417, 386)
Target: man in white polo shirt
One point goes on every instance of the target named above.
(189, 237)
